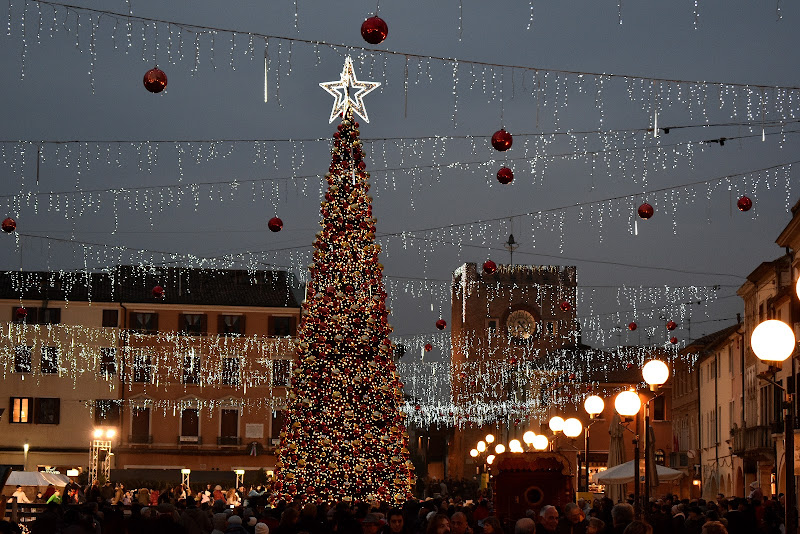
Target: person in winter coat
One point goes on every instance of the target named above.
(195, 521)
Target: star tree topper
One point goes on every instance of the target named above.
(340, 90)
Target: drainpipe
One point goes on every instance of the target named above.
(744, 417)
(717, 413)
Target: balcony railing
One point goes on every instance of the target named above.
(752, 440)
(190, 440)
(229, 440)
(140, 438)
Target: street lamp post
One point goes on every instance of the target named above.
(628, 404)
(773, 341)
(25, 449)
(655, 373)
(594, 407)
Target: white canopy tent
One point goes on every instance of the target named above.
(33, 479)
(624, 473)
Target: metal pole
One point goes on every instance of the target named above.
(586, 458)
(636, 504)
(647, 451)
(788, 452)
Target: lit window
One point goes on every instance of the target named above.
(21, 409)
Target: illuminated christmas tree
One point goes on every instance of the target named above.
(345, 437)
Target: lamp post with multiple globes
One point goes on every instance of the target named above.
(773, 341)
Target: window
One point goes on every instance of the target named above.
(730, 359)
(191, 369)
(229, 424)
(140, 425)
(49, 360)
(190, 422)
(491, 325)
(106, 412)
(49, 315)
(48, 411)
(108, 361)
(278, 421)
(193, 324)
(281, 372)
(142, 368)
(231, 325)
(21, 409)
(230, 371)
(37, 315)
(281, 326)
(144, 322)
(659, 408)
(22, 359)
(111, 318)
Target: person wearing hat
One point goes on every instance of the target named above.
(261, 528)
(194, 520)
(235, 526)
(372, 524)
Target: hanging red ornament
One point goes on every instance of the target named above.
(632, 326)
(744, 203)
(428, 347)
(158, 292)
(512, 361)
(9, 225)
(374, 30)
(502, 140)
(275, 224)
(418, 407)
(489, 267)
(645, 211)
(441, 324)
(21, 313)
(565, 306)
(673, 340)
(155, 80)
(672, 325)
(505, 175)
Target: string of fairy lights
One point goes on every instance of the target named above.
(748, 114)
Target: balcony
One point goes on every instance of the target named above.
(190, 440)
(140, 439)
(754, 442)
(229, 440)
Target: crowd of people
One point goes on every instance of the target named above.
(113, 509)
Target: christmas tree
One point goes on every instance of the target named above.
(345, 437)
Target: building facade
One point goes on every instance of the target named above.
(189, 367)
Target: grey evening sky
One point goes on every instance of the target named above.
(734, 41)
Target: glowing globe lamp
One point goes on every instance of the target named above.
(655, 372)
(540, 442)
(489, 438)
(556, 424)
(474, 453)
(594, 405)
(772, 341)
(499, 448)
(528, 437)
(481, 446)
(627, 403)
(572, 427)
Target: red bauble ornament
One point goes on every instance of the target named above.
(158, 292)
(565, 306)
(512, 361)
(645, 211)
(489, 267)
(744, 203)
(441, 324)
(428, 347)
(275, 224)
(502, 140)
(21, 313)
(673, 340)
(155, 80)
(9, 225)
(374, 30)
(418, 407)
(632, 326)
(505, 175)
(672, 325)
